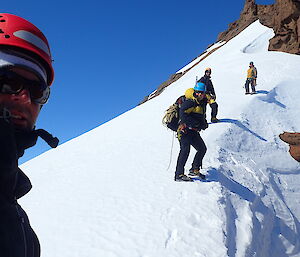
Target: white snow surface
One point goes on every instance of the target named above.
(108, 193)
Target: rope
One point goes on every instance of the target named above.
(173, 136)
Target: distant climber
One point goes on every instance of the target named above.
(251, 79)
(206, 79)
(192, 113)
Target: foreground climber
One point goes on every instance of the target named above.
(26, 74)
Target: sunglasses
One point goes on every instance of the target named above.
(13, 83)
(198, 92)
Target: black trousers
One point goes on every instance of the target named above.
(191, 138)
(214, 110)
(252, 82)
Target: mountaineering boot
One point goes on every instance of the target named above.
(196, 173)
(183, 177)
(247, 93)
(254, 92)
(214, 120)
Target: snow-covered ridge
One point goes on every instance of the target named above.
(108, 193)
(201, 57)
(183, 70)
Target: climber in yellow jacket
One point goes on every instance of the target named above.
(251, 79)
(192, 116)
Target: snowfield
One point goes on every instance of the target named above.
(108, 192)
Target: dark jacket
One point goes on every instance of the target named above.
(17, 239)
(209, 85)
(192, 113)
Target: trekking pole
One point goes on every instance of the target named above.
(171, 151)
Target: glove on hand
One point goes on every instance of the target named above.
(182, 128)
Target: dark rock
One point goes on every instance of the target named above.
(293, 139)
(295, 152)
(290, 138)
(283, 17)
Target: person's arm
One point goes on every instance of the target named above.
(185, 118)
(209, 86)
(212, 90)
(190, 120)
(253, 73)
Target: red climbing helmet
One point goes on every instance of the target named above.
(19, 33)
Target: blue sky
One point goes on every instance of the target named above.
(108, 55)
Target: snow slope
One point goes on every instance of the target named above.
(108, 193)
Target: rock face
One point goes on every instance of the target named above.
(293, 139)
(283, 17)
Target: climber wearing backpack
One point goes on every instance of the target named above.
(192, 119)
(206, 79)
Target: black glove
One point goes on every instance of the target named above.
(205, 125)
(182, 128)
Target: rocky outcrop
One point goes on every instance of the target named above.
(248, 16)
(283, 17)
(286, 25)
(293, 139)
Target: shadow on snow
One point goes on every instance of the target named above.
(270, 97)
(267, 232)
(242, 126)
